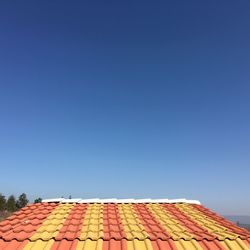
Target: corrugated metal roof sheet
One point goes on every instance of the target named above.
(120, 226)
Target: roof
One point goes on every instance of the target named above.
(120, 225)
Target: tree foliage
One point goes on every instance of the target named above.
(11, 204)
(22, 201)
(38, 200)
(2, 202)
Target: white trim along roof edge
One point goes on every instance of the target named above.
(114, 200)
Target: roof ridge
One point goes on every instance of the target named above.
(115, 200)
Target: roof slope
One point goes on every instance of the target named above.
(114, 226)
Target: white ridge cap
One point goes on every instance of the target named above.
(53, 200)
(194, 202)
(126, 200)
(143, 200)
(182, 200)
(161, 200)
(94, 200)
(71, 200)
(114, 200)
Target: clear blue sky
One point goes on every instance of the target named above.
(126, 99)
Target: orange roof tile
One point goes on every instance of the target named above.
(120, 226)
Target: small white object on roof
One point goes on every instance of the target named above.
(114, 200)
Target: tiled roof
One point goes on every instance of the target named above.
(120, 226)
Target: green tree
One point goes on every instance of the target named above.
(2, 202)
(38, 200)
(11, 204)
(22, 201)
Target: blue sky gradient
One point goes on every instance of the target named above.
(124, 99)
